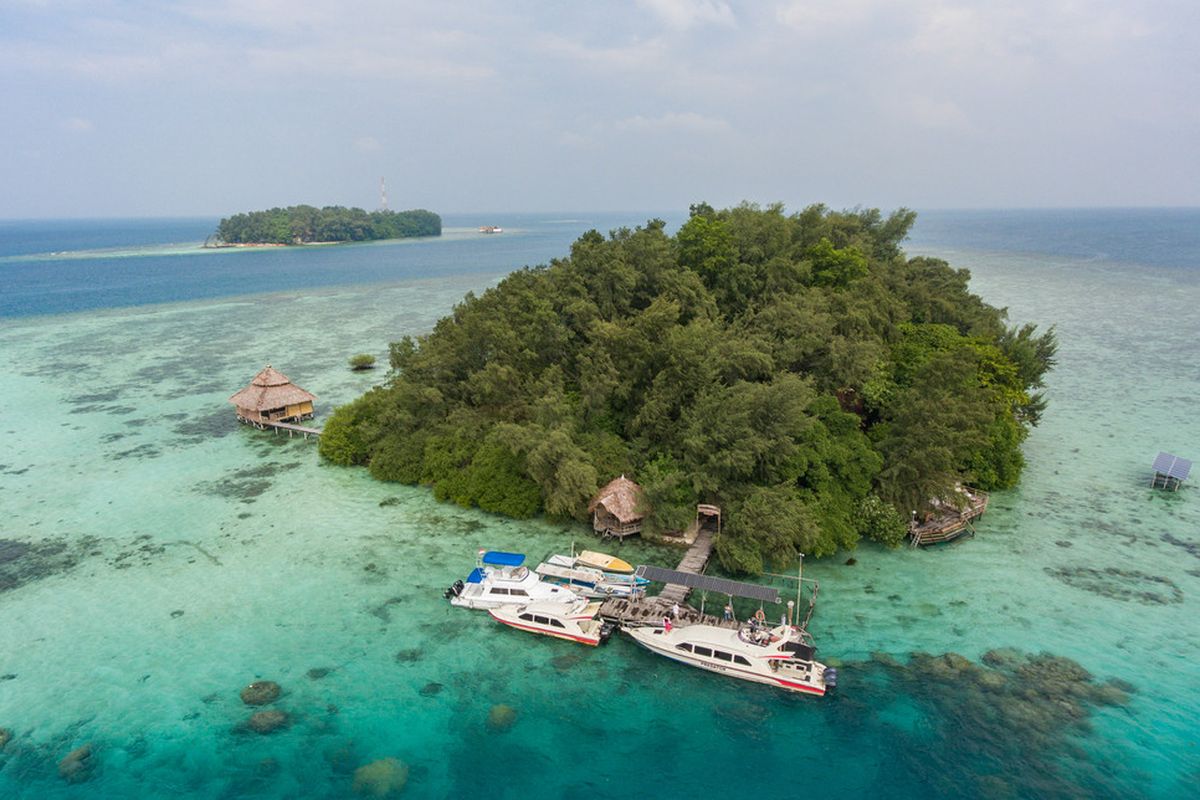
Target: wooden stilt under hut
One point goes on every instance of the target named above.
(271, 398)
(615, 509)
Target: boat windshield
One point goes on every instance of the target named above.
(511, 573)
(760, 635)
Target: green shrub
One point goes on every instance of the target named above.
(881, 522)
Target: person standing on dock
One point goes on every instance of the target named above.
(728, 612)
(675, 611)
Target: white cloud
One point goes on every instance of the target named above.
(817, 17)
(78, 125)
(577, 141)
(686, 121)
(683, 14)
(934, 113)
(356, 60)
(638, 55)
(367, 144)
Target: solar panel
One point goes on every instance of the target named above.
(705, 583)
(1172, 466)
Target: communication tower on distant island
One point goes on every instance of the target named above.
(382, 195)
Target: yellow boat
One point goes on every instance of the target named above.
(603, 561)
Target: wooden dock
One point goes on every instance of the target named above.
(651, 610)
(694, 562)
(951, 525)
(283, 426)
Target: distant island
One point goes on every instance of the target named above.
(798, 370)
(311, 225)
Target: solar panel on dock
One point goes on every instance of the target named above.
(1172, 466)
(706, 583)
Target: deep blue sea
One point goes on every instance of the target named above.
(55, 266)
(155, 557)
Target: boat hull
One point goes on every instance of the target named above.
(764, 675)
(570, 637)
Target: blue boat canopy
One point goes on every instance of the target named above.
(498, 558)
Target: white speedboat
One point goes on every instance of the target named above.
(576, 622)
(780, 656)
(500, 579)
(588, 581)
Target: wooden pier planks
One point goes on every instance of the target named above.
(651, 610)
(262, 425)
(694, 561)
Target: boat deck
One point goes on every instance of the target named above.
(651, 610)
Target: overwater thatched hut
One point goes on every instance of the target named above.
(615, 509)
(271, 397)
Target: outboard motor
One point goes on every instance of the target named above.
(830, 676)
(454, 591)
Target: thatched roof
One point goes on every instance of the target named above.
(270, 389)
(620, 498)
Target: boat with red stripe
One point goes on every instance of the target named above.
(575, 622)
(781, 656)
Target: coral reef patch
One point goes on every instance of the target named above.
(268, 721)
(1120, 584)
(383, 778)
(501, 718)
(24, 562)
(78, 765)
(1012, 708)
(260, 693)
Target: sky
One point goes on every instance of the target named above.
(210, 107)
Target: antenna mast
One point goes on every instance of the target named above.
(383, 195)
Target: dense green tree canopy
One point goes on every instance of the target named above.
(302, 224)
(798, 370)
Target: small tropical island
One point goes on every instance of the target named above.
(799, 370)
(299, 225)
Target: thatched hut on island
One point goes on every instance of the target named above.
(271, 397)
(615, 509)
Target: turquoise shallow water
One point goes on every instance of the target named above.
(158, 557)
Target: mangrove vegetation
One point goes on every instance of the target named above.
(797, 369)
(308, 224)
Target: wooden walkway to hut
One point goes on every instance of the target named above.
(284, 426)
(694, 561)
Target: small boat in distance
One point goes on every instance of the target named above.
(490, 229)
(780, 656)
(500, 579)
(603, 562)
(576, 622)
